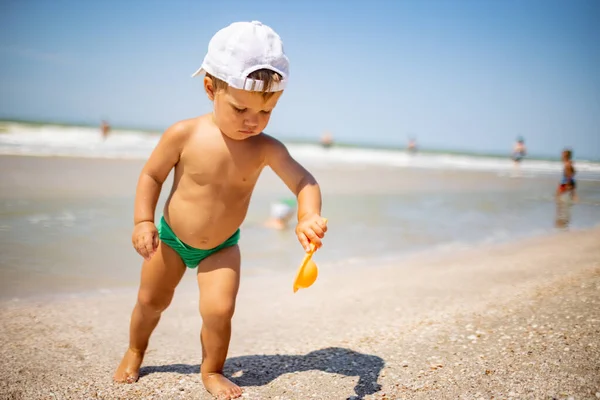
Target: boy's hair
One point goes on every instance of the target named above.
(268, 76)
(568, 153)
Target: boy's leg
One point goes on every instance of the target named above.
(160, 276)
(218, 281)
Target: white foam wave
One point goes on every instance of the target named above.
(52, 140)
(397, 158)
(74, 141)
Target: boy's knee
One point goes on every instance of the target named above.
(218, 312)
(154, 303)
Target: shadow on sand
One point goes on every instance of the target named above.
(259, 370)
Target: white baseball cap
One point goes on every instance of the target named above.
(241, 48)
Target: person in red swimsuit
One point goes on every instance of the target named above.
(567, 183)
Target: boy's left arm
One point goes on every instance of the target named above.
(311, 226)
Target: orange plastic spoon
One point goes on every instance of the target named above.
(308, 271)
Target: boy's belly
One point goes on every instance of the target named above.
(204, 222)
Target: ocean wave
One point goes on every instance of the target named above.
(53, 140)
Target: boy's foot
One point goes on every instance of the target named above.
(221, 387)
(129, 369)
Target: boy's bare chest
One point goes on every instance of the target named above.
(223, 169)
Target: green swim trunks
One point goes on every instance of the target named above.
(191, 256)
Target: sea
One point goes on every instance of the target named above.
(40, 139)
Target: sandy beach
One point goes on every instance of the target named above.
(416, 299)
(520, 320)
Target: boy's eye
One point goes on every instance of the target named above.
(239, 110)
(265, 112)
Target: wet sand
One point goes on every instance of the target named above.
(519, 320)
(73, 176)
(65, 222)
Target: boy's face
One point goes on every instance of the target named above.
(241, 114)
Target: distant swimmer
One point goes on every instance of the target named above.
(412, 146)
(567, 183)
(282, 212)
(327, 140)
(519, 150)
(104, 129)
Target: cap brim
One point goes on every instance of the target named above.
(199, 72)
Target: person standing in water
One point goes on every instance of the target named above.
(567, 183)
(519, 151)
(412, 146)
(327, 140)
(104, 129)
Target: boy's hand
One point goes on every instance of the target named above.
(145, 239)
(311, 229)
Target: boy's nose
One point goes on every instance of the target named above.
(251, 122)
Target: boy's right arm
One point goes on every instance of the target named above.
(163, 158)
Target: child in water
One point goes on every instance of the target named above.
(282, 212)
(217, 158)
(567, 184)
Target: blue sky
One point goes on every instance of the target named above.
(462, 75)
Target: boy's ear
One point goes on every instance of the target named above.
(209, 88)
